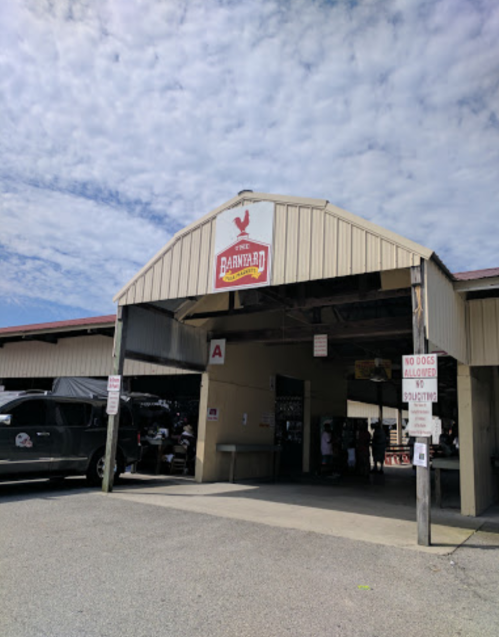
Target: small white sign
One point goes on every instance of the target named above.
(217, 351)
(114, 383)
(212, 414)
(420, 419)
(419, 390)
(113, 401)
(436, 430)
(268, 419)
(245, 419)
(420, 366)
(320, 345)
(420, 458)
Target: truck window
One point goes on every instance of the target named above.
(73, 414)
(30, 413)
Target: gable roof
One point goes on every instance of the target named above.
(313, 239)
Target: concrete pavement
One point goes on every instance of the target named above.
(380, 513)
(77, 563)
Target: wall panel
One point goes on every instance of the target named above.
(79, 356)
(445, 314)
(317, 242)
(483, 316)
(292, 247)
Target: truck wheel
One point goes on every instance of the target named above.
(95, 472)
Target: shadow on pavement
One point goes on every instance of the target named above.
(389, 496)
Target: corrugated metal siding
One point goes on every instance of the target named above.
(445, 314)
(79, 356)
(311, 241)
(159, 335)
(484, 331)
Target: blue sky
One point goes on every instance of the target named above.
(122, 121)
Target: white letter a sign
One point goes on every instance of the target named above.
(217, 352)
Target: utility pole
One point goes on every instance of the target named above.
(114, 420)
(423, 485)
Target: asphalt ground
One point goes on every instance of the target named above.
(77, 563)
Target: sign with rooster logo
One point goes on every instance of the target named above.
(243, 247)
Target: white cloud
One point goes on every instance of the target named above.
(148, 114)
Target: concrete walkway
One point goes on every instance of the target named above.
(380, 513)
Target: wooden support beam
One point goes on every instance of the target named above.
(120, 334)
(423, 485)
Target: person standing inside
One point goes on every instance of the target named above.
(379, 447)
(188, 441)
(327, 446)
(363, 441)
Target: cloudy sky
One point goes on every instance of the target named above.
(123, 120)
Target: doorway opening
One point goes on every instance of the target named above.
(289, 416)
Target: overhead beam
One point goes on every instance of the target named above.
(156, 310)
(252, 309)
(46, 338)
(353, 297)
(360, 330)
(161, 360)
(477, 285)
(306, 303)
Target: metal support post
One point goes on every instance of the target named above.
(114, 421)
(423, 486)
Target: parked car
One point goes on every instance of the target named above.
(52, 436)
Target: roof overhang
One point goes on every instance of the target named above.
(477, 285)
(53, 331)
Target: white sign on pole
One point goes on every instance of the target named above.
(420, 419)
(114, 383)
(420, 366)
(436, 430)
(217, 351)
(320, 345)
(419, 390)
(420, 458)
(113, 401)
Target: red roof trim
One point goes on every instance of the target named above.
(476, 274)
(109, 319)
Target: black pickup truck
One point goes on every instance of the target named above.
(52, 436)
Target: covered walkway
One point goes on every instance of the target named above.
(378, 513)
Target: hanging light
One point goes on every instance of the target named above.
(378, 374)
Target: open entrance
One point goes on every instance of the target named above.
(289, 417)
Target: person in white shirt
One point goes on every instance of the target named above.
(327, 445)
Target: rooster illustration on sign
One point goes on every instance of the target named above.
(242, 224)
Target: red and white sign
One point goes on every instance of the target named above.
(420, 366)
(320, 345)
(114, 383)
(420, 419)
(419, 390)
(113, 401)
(243, 247)
(212, 414)
(217, 351)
